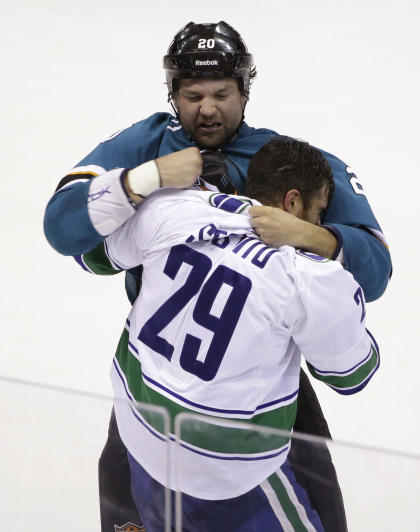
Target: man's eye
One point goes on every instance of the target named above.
(191, 97)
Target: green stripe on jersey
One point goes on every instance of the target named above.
(207, 435)
(97, 260)
(351, 379)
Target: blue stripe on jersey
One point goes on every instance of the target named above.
(356, 389)
(133, 347)
(218, 456)
(330, 372)
(114, 264)
(218, 198)
(218, 410)
(131, 400)
(228, 203)
(80, 262)
(239, 457)
(277, 401)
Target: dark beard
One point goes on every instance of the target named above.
(229, 136)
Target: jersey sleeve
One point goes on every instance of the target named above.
(123, 249)
(97, 261)
(142, 234)
(364, 248)
(90, 202)
(331, 331)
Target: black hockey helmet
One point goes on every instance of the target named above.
(208, 51)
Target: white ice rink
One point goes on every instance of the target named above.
(344, 76)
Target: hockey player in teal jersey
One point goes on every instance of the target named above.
(208, 73)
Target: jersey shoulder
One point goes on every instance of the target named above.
(349, 204)
(254, 137)
(159, 120)
(144, 130)
(333, 160)
(129, 147)
(193, 216)
(247, 131)
(323, 275)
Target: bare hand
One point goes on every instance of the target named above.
(181, 168)
(279, 228)
(275, 226)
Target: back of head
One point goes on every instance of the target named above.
(283, 164)
(213, 50)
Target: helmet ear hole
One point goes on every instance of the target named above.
(175, 87)
(208, 51)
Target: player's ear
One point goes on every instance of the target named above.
(293, 203)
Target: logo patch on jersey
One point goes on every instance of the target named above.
(312, 256)
(228, 203)
(96, 195)
(174, 125)
(129, 527)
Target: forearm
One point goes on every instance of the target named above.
(279, 228)
(315, 239)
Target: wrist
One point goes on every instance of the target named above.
(319, 240)
(304, 235)
(339, 246)
(143, 179)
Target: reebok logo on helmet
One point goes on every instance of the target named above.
(207, 62)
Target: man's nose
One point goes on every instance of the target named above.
(207, 107)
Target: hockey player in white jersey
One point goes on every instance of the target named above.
(223, 337)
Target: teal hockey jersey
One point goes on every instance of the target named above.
(69, 228)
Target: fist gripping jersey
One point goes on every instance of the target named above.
(74, 220)
(218, 329)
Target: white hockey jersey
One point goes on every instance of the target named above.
(218, 329)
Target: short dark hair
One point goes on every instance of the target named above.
(285, 163)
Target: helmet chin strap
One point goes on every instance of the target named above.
(174, 109)
(236, 132)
